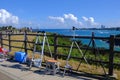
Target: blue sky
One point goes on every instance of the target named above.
(48, 14)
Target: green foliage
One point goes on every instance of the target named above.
(64, 41)
(7, 28)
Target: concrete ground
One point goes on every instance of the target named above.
(15, 71)
(5, 77)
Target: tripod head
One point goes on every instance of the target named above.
(74, 28)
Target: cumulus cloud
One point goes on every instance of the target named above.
(85, 18)
(90, 21)
(71, 17)
(67, 20)
(60, 19)
(7, 18)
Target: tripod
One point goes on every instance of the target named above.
(67, 66)
(37, 62)
(96, 52)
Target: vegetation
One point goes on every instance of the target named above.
(7, 28)
(11, 28)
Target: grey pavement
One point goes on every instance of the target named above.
(16, 71)
(3, 76)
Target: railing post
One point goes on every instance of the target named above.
(25, 41)
(9, 39)
(111, 55)
(1, 39)
(55, 46)
(93, 44)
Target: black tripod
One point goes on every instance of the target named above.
(95, 51)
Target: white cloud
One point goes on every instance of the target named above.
(85, 18)
(7, 18)
(60, 19)
(67, 20)
(90, 21)
(71, 17)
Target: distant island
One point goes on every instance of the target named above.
(112, 28)
(28, 28)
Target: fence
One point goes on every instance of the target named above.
(111, 51)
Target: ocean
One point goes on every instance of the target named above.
(97, 33)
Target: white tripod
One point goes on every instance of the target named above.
(37, 62)
(67, 66)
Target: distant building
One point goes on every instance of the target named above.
(102, 26)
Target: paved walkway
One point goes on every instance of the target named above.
(4, 76)
(16, 71)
